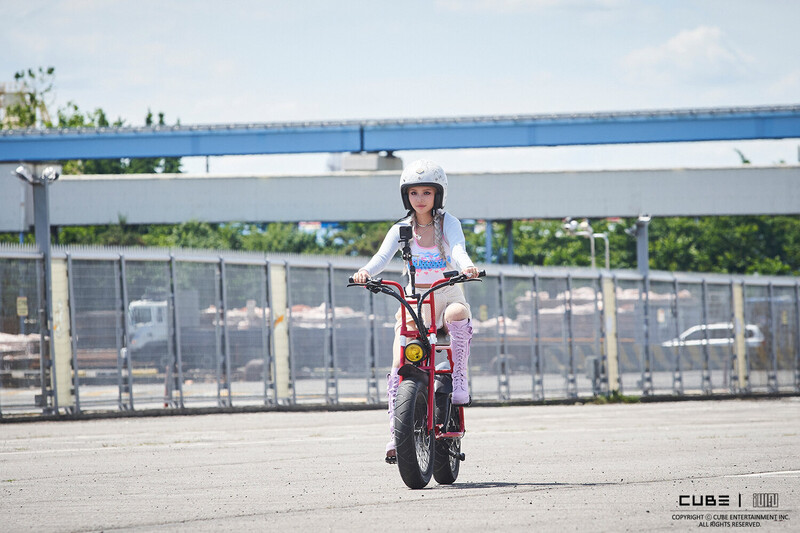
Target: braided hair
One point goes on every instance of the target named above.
(438, 231)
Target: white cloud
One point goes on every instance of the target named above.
(701, 55)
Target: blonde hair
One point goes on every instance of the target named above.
(438, 232)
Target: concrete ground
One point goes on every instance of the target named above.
(530, 468)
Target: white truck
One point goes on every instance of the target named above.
(150, 324)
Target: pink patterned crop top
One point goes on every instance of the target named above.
(428, 262)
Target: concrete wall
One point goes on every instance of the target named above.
(364, 196)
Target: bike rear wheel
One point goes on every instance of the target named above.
(446, 451)
(413, 440)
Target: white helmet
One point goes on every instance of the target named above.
(424, 172)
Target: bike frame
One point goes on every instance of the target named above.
(427, 370)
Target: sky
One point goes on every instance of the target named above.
(211, 62)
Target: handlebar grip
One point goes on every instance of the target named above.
(482, 274)
(350, 280)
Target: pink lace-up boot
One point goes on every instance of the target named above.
(460, 337)
(392, 383)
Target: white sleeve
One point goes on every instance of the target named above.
(455, 239)
(387, 250)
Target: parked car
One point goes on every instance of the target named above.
(719, 334)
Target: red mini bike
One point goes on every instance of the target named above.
(427, 427)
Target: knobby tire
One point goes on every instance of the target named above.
(413, 440)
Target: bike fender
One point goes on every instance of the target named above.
(413, 372)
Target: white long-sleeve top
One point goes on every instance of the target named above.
(454, 246)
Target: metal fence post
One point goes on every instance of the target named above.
(745, 383)
(599, 376)
(730, 367)
(647, 363)
(219, 351)
(224, 398)
(118, 341)
(174, 375)
(611, 330)
(707, 389)
(503, 389)
(677, 372)
(289, 304)
(571, 380)
(331, 377)
(266, 337)
(772, 379)
(373, 392)
(797, 337)
(125, 328)
(74, 336)
(536, 348)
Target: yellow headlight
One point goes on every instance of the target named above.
(414, 352)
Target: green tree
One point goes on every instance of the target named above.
(194, 234)
(152, 165)
(281, 237)
(356, 238)
(72, 117)
(120, 234)
(743, 245)
(28, 108)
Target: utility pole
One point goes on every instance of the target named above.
(41, 208)
(642, 245)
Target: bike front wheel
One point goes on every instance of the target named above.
(413, 440)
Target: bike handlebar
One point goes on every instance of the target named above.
(376, 285)
(448, 278)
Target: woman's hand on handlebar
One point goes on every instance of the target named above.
(362, 276)
(470, 272)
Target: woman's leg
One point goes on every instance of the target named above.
(392, 383)
(456, 316)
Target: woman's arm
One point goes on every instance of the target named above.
(385, 252)
(454, 235)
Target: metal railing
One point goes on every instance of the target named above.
(137, 329)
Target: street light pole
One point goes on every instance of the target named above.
(590, 235)
(41, 208)
(604, 236)
(642, 244)
(584, 229)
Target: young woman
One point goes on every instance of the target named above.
(437, 246)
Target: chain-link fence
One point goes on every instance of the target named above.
(21, 319)
(154, 329)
